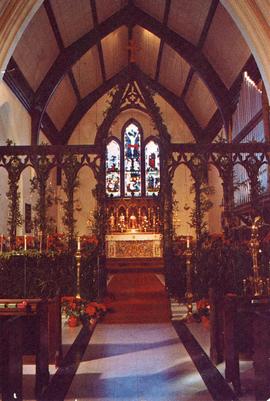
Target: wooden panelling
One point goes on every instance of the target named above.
(147, 53)
(200, 101)
(106, 8)
(74, 18)
(225, 47)
(87, 72)
(115, 51)
(173, 71)
(62, 103)
(187, 18)
(37, 49)
(153, 7)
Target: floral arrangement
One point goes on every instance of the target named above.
(82, 310)
(203, 312)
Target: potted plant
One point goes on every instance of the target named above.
(73, 309)
(76, 310)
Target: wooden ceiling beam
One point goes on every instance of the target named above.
(201, 41)
(87, 102)
(71, 54)
(176, 102)
(60, 43)
(165, 22)
(99, 47)
(126, 75)
(216, 123)
(132, 15)
(192, 55)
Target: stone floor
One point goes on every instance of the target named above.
(139, 362)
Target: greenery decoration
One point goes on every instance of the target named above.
(70, 187)
(40, 221)
(32, 274)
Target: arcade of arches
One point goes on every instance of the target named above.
(134, 188)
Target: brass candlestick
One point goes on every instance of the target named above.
(78, 269)
(188, 294)
(254, 247)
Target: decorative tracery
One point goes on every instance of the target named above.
(132, 161)
(132, 168)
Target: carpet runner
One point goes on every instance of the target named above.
(137, 298)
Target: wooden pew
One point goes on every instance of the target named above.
(40, 332)
(257, 312)
(11, 343)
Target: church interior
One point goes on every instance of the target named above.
(135, 200)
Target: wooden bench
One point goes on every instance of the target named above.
(38, 333)
(255, 332)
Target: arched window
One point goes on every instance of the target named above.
(152, 169)
(132, 166)
(113, 187)
(132, 161)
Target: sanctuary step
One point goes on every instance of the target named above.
(140, 264)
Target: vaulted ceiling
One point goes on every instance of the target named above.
(74, 51)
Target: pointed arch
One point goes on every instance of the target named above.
(113, 167)
(152, 165)
(132, 137)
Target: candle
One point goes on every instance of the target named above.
(78, 243)
(187, 242)
(25, 243)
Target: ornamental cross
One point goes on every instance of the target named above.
(133, 48)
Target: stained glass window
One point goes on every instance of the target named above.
(113, 169)
(132, 160)
(152, 169)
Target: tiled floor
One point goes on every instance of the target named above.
(246, 367)
(136, 362)
(68, 337)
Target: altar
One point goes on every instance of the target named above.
(134, 245)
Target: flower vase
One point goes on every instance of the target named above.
(73, 321)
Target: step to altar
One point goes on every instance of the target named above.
(135, 264)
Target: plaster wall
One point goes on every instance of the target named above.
(182, 182)
(15, 124)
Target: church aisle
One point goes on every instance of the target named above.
(135, 354)
(137, 362)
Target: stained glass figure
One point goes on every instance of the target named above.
(113, 169)
(152, 169)
(132, 160)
